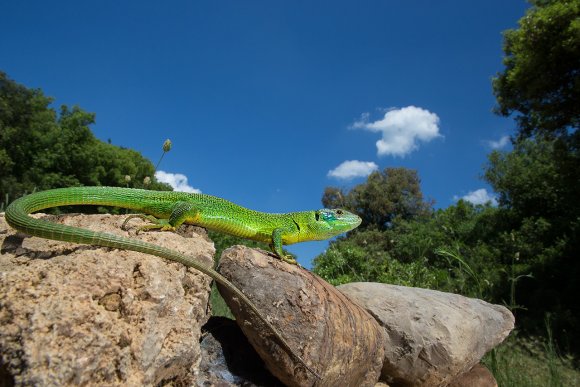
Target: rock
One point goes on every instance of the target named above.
(336, 337)
(228, 359)
(83, 315)
(478, 376)
(431, 336)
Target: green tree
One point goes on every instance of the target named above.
(538, 182)
(538, 205)
(541, 80)
(42, 149)
(528, 181)
(24, 116)
(386, 195)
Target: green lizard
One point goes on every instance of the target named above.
(168, 210)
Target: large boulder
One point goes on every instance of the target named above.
(430, 336)
(84, 315)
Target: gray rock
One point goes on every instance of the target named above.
(82, 315)
(431, 336)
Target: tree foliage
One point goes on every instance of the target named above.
(410, 253)
(539, 207)
(541, 80)
(41, 148)
(539, 181)
(403, 241)
(386, 195)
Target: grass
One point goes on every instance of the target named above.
(218, 304)
(520, 362)
(4, 204)
(527, 362)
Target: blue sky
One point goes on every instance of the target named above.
(265, 101)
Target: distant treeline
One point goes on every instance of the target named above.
(41, 148)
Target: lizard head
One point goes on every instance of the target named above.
(332, 222)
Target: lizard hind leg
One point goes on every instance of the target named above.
(180, 212)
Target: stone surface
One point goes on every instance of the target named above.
(431, 336)
(478, 376)
(336, 337)
(83, 315)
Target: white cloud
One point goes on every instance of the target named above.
(499, 144)
(176, 180)
(402, 129)
(479, 196)
(353, 168)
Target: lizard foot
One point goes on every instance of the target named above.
(289, 259)
(157, 224)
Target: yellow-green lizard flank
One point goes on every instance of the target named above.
(168, 210)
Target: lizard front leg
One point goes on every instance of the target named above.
(276, 245)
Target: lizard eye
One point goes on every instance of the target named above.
(339, 212)
(317, 216)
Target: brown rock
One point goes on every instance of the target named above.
(82, 315)
(335, 336)
(431, 336)
(478, 376)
